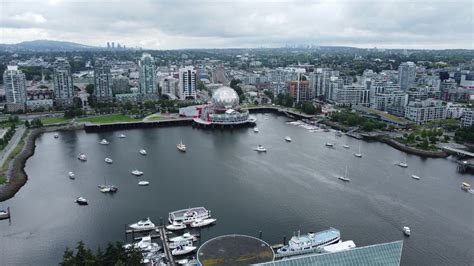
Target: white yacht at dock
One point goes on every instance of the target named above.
(143, 225)
(202, 223)
(176, 226)
(310, 242)
(189, 215)
(185, 236)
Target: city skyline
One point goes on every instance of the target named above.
(211, 24)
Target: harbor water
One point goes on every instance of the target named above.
(291, 187)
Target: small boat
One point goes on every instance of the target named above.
(288, 139)
(4, 214)
(104, 142)
(108, 188)
(204, 222)
(346, 146)
(358, 154)
(340, 246)
(183, 237)
(192, 261)
(255, 129)
(329, 144)
(406, 230)
(338, 133)
(82, 157)
(181, 250)
(108, 160)
(143, 225)
(189, 215)
(403, 164)
(176, 226)
(71, 175)
(181, 146)
(122, 136)
(184, 243)
(142, 152)
(137, 172)
(56, 135)
(415, 177)
(144, 245)
(310, 242)
(260, 148)
(143, 183)
(81, 201)
(465, 186)
(344, 177)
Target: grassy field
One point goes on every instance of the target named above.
(54, 120)
(103, 119)
(156, 118)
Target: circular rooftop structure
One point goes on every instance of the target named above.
(225, 98)
(234, 250)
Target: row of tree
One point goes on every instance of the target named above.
(115, 254)
(351, 119)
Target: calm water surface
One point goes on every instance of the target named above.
(293, 186)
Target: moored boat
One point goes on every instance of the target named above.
(81, 201)
(4, 214)
(108, 160)
(71, 175)
(82, 157)
(176, 226)
(204, 222)
(183, 237)
(181, 147)
(329, 144)
(189, 215)
(142, 151)
(341, 246)
(403, 164)
(255, 129)
(136, 172)
(56, 135)
(406, 230)
(346, 146)
(310, 242)
(108, 188)
(415, 177)
(288, 139)
(338, 133)
(104, 142)
(122, 136)
(260, 148)
(181, 250)
(184, 243)
(143, 183)
(143, 225)
(465, 186)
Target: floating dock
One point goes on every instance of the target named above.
(166, 248)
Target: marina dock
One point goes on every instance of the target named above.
(166, 248)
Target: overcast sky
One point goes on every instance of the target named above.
(246, 23)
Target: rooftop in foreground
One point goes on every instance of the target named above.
(234, 250)
(387, 254)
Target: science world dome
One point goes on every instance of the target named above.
(225, 98)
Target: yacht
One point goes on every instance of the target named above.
(329, 144)
(260, 148)
(4, 214)
(82, 157)
(192, 261)
(181, 250)
(108, 160)
(144, 245)
(143, 183)
(137, 173)
(184, 243)
(189, 215)
(181, 146)
(415, 177)
(176, 226)
(142, 152)
(104, 142)
(143, 225)
(255, 129)
(341, 246)
(56, 135)
(310, 242)
(108, 188)
(406, 230)
(344, 177)
(403, 164)
(122, 136)
(358, 154)
(345, 146)
(201, 223)
(71, 175)
(81, 201)
(465, 186)
(288, 139)
(185, 236)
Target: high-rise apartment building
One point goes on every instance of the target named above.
(15, 88)
(62, 82)
(102, 80)
(406, 75)
(187, 83)
(146, 67)
(300, 91)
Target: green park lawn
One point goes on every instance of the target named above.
(54, 120)
(103, 119)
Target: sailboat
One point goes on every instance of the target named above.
(107, 188)
(358, 154)
(344, 177)
(403, 163)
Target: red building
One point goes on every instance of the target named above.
(305, 92)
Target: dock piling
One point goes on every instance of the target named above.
(260, 235)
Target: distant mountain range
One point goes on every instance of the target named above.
(47, 45)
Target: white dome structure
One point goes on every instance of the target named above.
(225, 98)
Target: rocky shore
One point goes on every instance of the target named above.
(16, 175)
(402, 147)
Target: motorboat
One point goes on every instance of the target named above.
(143, 183)
(144, 245)
(176, 226)
(415, 177)
(403, 164)
(310, 242)
(204, 222)
(136, 172)
(329, 144)
(181, 146)
(82, 201)
(56, 135)
(260, 148)
(122, 136)
(71, 175)
(104, 142)
(406, 230)
(465, 186)
(4, 214)
(181, 250)
(143, 225)
(82, 157)
(346, 146)
(108, 188)
(108, 160)
(142, 152)
(255, 129)
(183, 237)
(189, 215)
(192, 261)
(341, 246)
(338, 133)
(288, 139)
(184, 243)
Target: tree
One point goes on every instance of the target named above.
(90, 88)
(27, 123)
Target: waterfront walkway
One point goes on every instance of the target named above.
(458, 151)
(11, 144)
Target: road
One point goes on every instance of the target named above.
(11, 144)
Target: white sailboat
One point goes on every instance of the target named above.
(403, 164)
(358, 154)
(344, 177)
(181, 146)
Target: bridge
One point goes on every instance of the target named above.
(458, 152)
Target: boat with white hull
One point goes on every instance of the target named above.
(181, 147)
(82, 157)
(71, 175)
(189, 215)
(143, 183)
(142, 152)
(260, 148)
(185, 243)
(184, 237)
(176, 226)
(136, 172)
(310, 242)
(201, 223)
(287, 139)
(144, 245)
(108, 160)
(143, 225)
(182, 250)
(104, 142)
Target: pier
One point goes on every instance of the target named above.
(166, 248)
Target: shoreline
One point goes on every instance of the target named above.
(15, 173)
